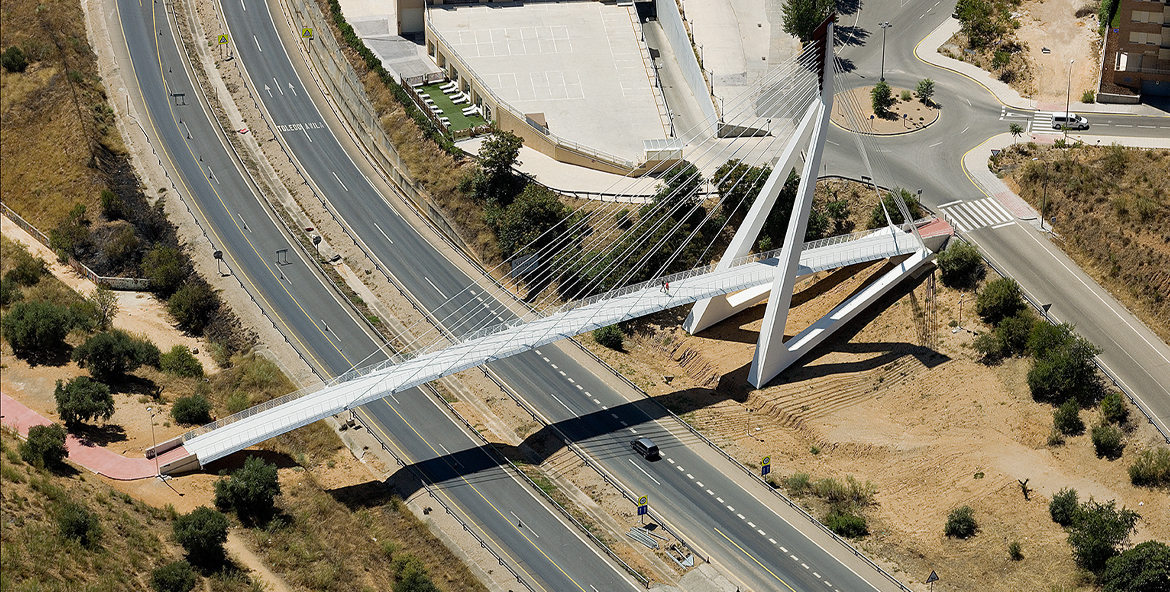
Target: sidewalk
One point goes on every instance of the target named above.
(95, 458)
(927, 51)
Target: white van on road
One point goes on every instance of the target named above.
(1071, 120)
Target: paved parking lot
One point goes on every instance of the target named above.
(581, 64)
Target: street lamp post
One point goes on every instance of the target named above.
(1067, 99)
(1044, 195)
(154, 442)
(884, 26)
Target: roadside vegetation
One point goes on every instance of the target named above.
(1109, 207)
(987, 39)
(842, 504)
(65, 169)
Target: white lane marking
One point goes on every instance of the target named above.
(730, 509)
(794, 557)
(783, 550)
(434, 286)
(679, 467)
(242, 6)
(1002, 225)
(562, 372)
(935, 144)
(274, 79)
(751, 524)
(338, 178)
(535, 350)
(709, 492)
(546, 359)
(519, 522)
(262, 51)
(571, 380)
(773, 541)
(699, 483)
(949, 203)
(579, 387)
(643, 471)
(816, 575)
(633, 431)
(554, 366)
(383, 233)
(965, 130)
(613, 415)
(625, 425)
(1120, 125)
(740, 516)
(563, 404)
(670, 460)
(596, 401)
(690, 476)
(968, 101)
(762, 533)
(804, 565)
(587, 394)
(719, 499)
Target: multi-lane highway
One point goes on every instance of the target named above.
(932, 160)
(547, 551)
(723, 519)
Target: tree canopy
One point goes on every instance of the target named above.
(801, 17)
(1098, 532)
(249, 491)
(110, 355)
(202, 534)
(1144, 568)
(83, 399)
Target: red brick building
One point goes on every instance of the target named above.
(1141, 61)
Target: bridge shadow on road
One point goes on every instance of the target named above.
(605, 436)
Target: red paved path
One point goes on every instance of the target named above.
(88, 455)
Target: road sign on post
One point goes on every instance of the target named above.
(307, 33)
(932, 579)
(643, 507)
(765, 466)
(223, 39)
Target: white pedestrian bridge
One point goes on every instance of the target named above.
(360, 386)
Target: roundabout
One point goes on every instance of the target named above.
(853, 111)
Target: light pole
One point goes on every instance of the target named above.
(1067, 98)
(884, 26)
(154, 442)
(1044, 195)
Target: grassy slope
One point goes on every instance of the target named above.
(53, 117)
(34, 556)
(1111, 207)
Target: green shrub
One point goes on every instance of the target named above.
(961, 523)
(202, 534)
(112, 206)
(27, 271)
(249, 491)
(925, 90)
(174, 577)
(192, 306)
(83, 399)
(960, 265)
(846, 524)
(797, 483)
(1107, 441)
(1113, 409)
(71, 236)
(1067, 418)
(1015, 551)
(9, 292)
(76, 522)
(999, 300)
(37, 329)
(877, 215)
(181, 362)
(109, 356)
(1089, 96)
(1098, 531)
(192, 410)
(1068, 371)
(1047, 338)
(1064, 506)
(1144, 568)
(13, 59)
(45, 446)
(165, 268)
(1151, 468)
(610, 336)
(882, 98)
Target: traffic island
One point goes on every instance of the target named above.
(853, 111)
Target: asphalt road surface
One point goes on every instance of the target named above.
(931, 160)
(550, 553)
(728, 523)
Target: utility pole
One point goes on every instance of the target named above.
(154, 442)
(1067, 99)
(1044, 195)
(884, 26)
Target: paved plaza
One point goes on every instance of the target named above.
(581, 64)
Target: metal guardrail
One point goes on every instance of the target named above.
(114, 283)
(431, 492)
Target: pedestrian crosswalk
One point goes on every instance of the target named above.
(970, 215)
(1025, 119)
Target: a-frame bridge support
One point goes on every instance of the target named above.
(773, 354)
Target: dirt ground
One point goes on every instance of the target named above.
(857, 103)
(1053, 24)
(901, 402)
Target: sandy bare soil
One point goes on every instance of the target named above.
(1053, 24)
(856, 104)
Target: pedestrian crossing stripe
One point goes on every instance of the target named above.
(970, 215)
(223, 39)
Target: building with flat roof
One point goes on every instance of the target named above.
(1141, 61)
